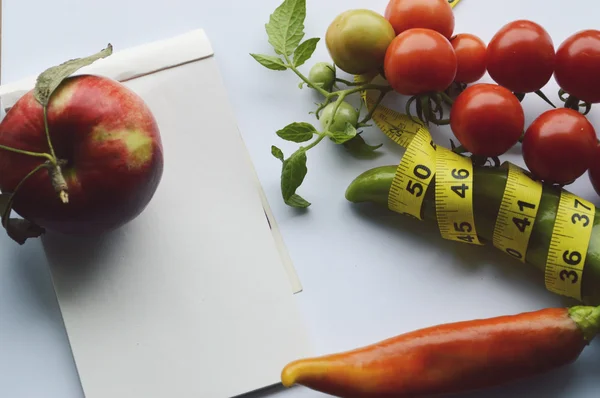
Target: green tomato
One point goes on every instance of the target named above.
(358, 39)
(345, 113)
(322, 74)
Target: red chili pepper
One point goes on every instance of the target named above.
(452, 358)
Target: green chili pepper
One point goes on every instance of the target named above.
(488, 188)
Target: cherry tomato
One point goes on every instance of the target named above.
(428, 14)
(487, 119)
(559, 145)
(420, 61)
(357, 40)
(470, 56)
(520, 56)
(578, 65)
(322, 74)
(594, 170)
(346, 113)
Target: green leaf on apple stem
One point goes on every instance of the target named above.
(297, 132)
(51, 78)
(305, 51)
(292, 175)
(286, 26)
(17, 229)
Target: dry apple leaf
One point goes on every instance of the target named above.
(51, 78)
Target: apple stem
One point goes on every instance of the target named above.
(45, 108)
(8, 208)
(58, 182)
(28, 153)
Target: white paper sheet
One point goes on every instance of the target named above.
(193, 298)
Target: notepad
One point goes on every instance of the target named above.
(195, 297)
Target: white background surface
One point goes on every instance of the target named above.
(367, 274)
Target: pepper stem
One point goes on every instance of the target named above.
(587, 319)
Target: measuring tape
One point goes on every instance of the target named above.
(568, 245)
(413, 175)
(398, 127)
(453, 187)
(519, 207)
(454, 197)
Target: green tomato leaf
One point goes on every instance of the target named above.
(286, 26)
(51, 78)
(305, 50)
(297, 132)
(292, 175)
(278, 153)
(297, 201)
(269, 61)
(339, 137)
(359, 148)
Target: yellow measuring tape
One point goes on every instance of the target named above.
(414, 173)
(453, 186)
(568, 246)
(454, 197)
(519, 207)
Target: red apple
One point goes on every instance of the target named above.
(110, 143)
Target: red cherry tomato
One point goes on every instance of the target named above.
(420, 61)
(594, 170)
(428, 14)
(559, 145)
(578, 65)
(520, 56)
(487, 119)
(470, 56)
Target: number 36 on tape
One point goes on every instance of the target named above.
(569, 245)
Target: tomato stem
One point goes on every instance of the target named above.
(572, 102)
(447, 98)
(460, 149)
(315, 142)
(541, 94)
(520, 96)
(290, 65)
(321, 107)
(429, 108)
(347, 83)
(425, 110)
(369, 115)
(562, 95)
